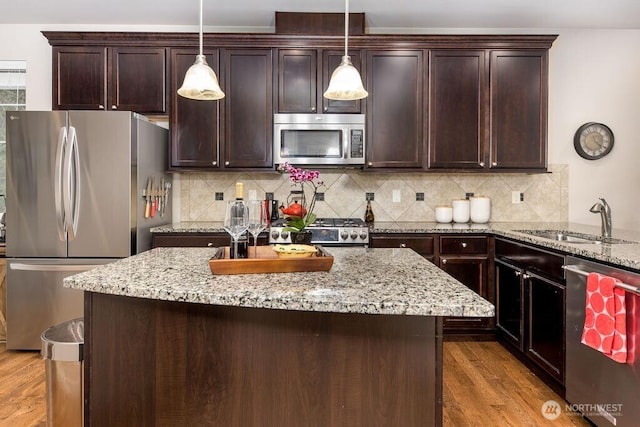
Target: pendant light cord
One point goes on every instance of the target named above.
(201, 26)
(346, 27)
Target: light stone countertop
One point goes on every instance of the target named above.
(370, 281)
(617, 254)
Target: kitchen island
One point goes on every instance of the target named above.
(168, 343)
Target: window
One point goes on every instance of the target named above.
(13, 94)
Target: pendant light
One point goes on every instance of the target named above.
(345, 83)
(200, 81)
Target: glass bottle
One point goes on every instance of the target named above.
(243, 240)
(369, 217)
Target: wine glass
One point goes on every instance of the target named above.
(236, 220)
(257, 221)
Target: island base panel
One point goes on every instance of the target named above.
(156, 363)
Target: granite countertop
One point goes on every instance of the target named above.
(370, 281)
(618, 254)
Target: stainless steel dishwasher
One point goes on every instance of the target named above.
(606, 392)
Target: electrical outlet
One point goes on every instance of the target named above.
(517, 197)
(396, 197)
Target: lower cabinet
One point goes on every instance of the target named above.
(421, 243)
(530, 306)
(213, 240)
(467, 258)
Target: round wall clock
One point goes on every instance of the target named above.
(593, 141)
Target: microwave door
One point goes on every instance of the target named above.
(312, 146)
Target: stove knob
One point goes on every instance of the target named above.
(354, 235)
(363, 235)
(284, 234)
(344, 235)
(275, 234)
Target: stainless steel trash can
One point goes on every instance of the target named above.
(62, 353)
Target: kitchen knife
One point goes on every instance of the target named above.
(154, 199)
(147, 194)
(161, 196)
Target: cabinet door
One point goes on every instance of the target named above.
(79, 78)
(472, 272)
(137, 79)
(248, 135)
(546, 324)
(510, 303)
(194, 124)
(330, 61)
(395, 112)
(519, 109)
(457, 114)
(297, 76)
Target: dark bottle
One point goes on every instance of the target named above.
(243, 240)
(368, 215)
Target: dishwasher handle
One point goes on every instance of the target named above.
(52, 267)
(577, 270)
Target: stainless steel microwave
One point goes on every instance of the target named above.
(319, 139)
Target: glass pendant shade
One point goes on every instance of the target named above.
(200, 82)
(345, 83)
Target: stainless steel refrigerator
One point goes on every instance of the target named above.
(77, 186)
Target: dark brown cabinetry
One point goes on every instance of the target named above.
(214, 240)
(467, 258)
(303, 76)
(109, 78)
(530, 306)
(395, 111)
(194, 125)
(457, 109)
(233, 133)
(248, 108)
(421, 243)
(519, 109)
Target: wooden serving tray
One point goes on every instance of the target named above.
(267, 261)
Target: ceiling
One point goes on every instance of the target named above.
(602, 14)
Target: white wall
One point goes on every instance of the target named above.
(594, 76)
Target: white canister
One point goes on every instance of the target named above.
(444, 214)
(460, 210)
(480, 209)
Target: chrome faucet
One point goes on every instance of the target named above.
(603, 208)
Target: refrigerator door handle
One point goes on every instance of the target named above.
(71, 189)
(58, 184)
(51, 267)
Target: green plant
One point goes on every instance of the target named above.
(302, 178)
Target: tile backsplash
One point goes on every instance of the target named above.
(545, 195)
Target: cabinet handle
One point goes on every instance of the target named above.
(326, 109)
(101, 107)
(313, 109)
(525, 276)
(210, 244)
(494, 163)
(403, 245)
(517, 273)
(214, 163)
(369, 163)
(226, 163)
(464, 244)
(444, 260)
(481, 164)
(114, 107)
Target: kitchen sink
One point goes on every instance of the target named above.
(572, 237)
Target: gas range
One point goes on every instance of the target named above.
(326, 232)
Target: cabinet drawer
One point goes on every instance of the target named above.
(419, 243)
(541, 261)
(463, 245)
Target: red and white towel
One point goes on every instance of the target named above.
(605, 327)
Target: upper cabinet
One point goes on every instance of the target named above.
(303, 77)
(519, 109)
(395, 112)
(109, 78)
(457, 109)
(194, 125)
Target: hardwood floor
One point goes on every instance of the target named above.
(484, 385)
